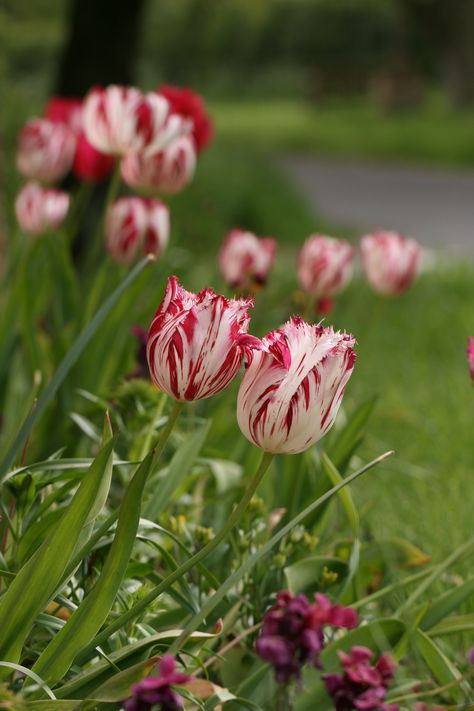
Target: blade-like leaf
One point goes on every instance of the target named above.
(446, 604)
(92, 612)
(344, 494)
(440, 666)
(38, 579)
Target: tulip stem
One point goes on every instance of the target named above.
(163, 438)
(145, 602)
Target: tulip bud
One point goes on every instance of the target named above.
(136, 226)
(40, 209)
(120, 119)
(325, 266)
(390, 261)
(245, 259)
(293, 386)
(45, 150)
(166, 171)
(197, 342)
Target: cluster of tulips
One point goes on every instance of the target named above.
(150, 140)
(325, 265)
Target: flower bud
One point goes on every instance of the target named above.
(325, 266)
(45, 150)
(197, 342)
(390, 261)
(165, 171)
(245, 259)
(293, 386)
(136, 226)
(40, 209)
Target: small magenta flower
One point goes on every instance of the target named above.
(245, 260)
(156, 692)
(292, 633)
(361, 686)
(390, 261)
(470, 358)
(196, 342)
(293, 386)
(325, 267)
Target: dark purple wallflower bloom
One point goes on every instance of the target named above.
(361, 686)
(292, 632)
(156, 691)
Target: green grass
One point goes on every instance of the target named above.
(434, 134)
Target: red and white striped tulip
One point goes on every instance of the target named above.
(245, 259)
(40, 209)
(120, 119)
(390, 261)
(45, 150)
(190, 105)
(166, 171)
(293, 387)
(196, 342)
(325, 266)
(136, 226)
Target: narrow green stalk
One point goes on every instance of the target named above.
(65, 366)
(165, 433)
(142, 605)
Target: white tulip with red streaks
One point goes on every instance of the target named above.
(293, 386)
(245, 259)
(325, 265)
(168, 170)
(45, 150)
(196, 342)
(390, 261)
(136, 226)
(40, 209)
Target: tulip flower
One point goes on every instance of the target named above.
(293, 386)
(325, 267)
(89, 164)
(167, 171)
(390, 261)
(40, 209)
(45, 150)
(196, 342)
(245, 259)
(190, 105)
(120, 119)
(135, 226)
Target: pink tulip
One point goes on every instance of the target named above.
(293, 386)
(325, 267)
(197, 342)
(40, 209)
(120, 119)
(390, 261)
(45, 150)
(136, 226)
(166, 171)
(470, 357)
(245, 259)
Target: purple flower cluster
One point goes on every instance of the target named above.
(361, 686)
(292, 632)
(156, 691)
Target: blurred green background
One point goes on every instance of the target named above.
(384, 79)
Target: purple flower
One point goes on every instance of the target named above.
(156, 691)
(470, 656)
(361, 686)
(292, 632)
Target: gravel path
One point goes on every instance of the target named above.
(435, 206)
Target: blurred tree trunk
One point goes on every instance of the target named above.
(101, 46)
(449, 26)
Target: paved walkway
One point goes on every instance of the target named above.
(436, 206)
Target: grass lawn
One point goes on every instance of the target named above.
(433, 135)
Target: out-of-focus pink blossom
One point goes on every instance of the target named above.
(390, 261)
(245, 260)
(40, 209)
(470, 360)
(190, 105)
(197, 342)
(136, 226)
(293, 386)
(120, 119)
(164, 171)
(45, 150)
(156, 692)
(325, 267)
